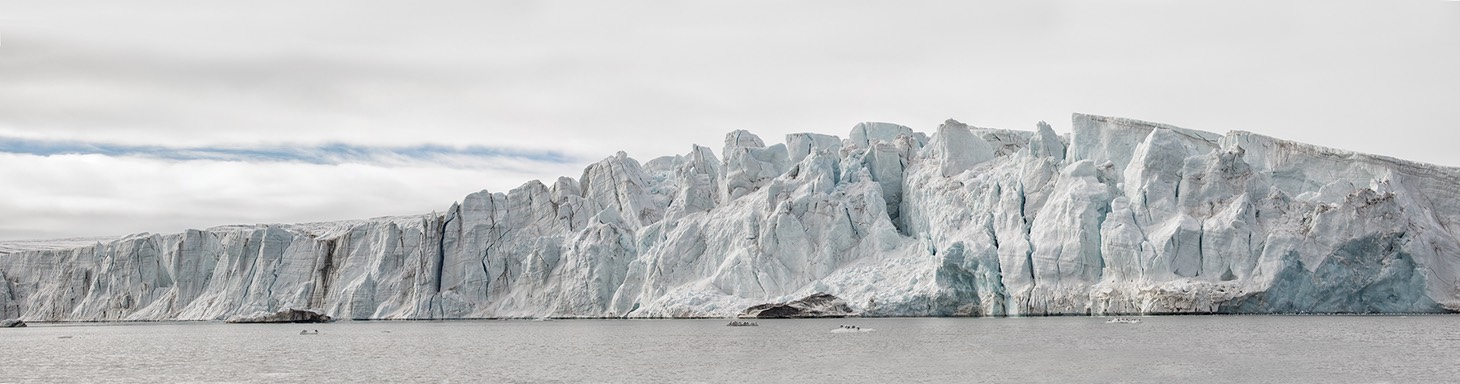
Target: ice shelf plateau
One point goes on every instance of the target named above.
(1118, 217)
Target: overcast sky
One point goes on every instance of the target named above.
(158, 116)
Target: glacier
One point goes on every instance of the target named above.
(1118, 217)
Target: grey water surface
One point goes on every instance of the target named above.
(1332, 349)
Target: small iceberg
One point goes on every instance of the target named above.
(1123, 320)
(307, 332)
(742, 324)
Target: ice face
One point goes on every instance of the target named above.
(1121, 217)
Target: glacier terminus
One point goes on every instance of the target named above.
(1117, 217)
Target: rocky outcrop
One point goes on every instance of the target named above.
(11, 323)
(287, 315)
(817, 305)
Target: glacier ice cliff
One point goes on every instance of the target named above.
(1118, 217)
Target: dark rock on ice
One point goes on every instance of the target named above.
(817, 305)
(287, 315)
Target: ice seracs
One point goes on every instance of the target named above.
(956, 149)
(1118, 217)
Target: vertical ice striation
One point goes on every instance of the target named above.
(1122, 216)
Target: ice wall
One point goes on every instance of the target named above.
(1119, 217)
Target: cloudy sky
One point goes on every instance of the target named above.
(157, 116)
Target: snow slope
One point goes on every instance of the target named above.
(1119, 217)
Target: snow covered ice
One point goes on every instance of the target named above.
(1119, 217)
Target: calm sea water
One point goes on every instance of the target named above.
(1333, 349)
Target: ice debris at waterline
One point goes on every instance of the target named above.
(1118, 217)
(12, 323)
(817, 305)
(287, 315)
